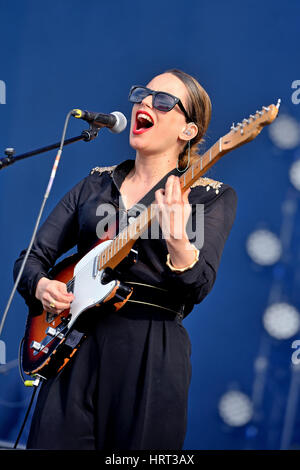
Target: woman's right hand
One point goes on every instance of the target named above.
(55, 293)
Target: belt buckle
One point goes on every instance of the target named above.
(180, 314)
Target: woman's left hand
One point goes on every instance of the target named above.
(173, 210)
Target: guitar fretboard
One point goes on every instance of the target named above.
(135, 229)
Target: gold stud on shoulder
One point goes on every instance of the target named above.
(208, 183)
(101, 169)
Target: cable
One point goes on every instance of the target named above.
(26, 416)
(47, 192)
(28, 383)
(19, 360)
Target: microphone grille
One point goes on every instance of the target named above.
(120, 124)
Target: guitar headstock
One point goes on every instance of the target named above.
(249, 128)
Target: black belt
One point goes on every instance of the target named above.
(155, 296)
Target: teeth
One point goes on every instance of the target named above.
(145, 116)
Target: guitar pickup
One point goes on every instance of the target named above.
(54, 332)
(38, 347)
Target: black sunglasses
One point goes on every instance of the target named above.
(160, 99)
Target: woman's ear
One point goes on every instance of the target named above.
(189, 131)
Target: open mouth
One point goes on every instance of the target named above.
(143, 122)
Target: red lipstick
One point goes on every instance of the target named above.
(141, 124)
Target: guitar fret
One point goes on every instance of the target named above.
(113, 248)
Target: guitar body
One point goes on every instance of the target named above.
(50, 340)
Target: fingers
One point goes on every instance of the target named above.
(173, 208)
(56, 298)
(172, 190)
(50, 300)
(61, 286)
(185, 196)
(176, 191)
(172, 193)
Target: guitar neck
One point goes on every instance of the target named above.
(122, 243)
(244, 132)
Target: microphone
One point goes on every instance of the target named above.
(116, 121)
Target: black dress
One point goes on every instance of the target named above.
(127, 386)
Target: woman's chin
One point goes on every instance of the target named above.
(138, 143)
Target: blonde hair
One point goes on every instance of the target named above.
(199, 109)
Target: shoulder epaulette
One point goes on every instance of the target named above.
(209, 183)
(101, 169)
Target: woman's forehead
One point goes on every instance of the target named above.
(169, 83)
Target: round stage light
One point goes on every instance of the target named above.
(264, 247)
(285, 132)
(235, 408)
(281, 320)
(294, 174)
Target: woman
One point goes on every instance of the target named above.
(127, 386)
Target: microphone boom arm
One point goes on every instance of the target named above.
(87, 135)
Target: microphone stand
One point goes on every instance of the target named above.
(86, 135)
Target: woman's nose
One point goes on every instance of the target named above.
(147, 101)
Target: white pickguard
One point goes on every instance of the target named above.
(88, 289)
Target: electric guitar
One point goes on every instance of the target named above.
(51, 340)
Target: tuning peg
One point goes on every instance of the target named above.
(259, 112)
(246, 121)
(278, 103)
(266, 108)
(233, 128)
(241, 127)
(252, 117)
